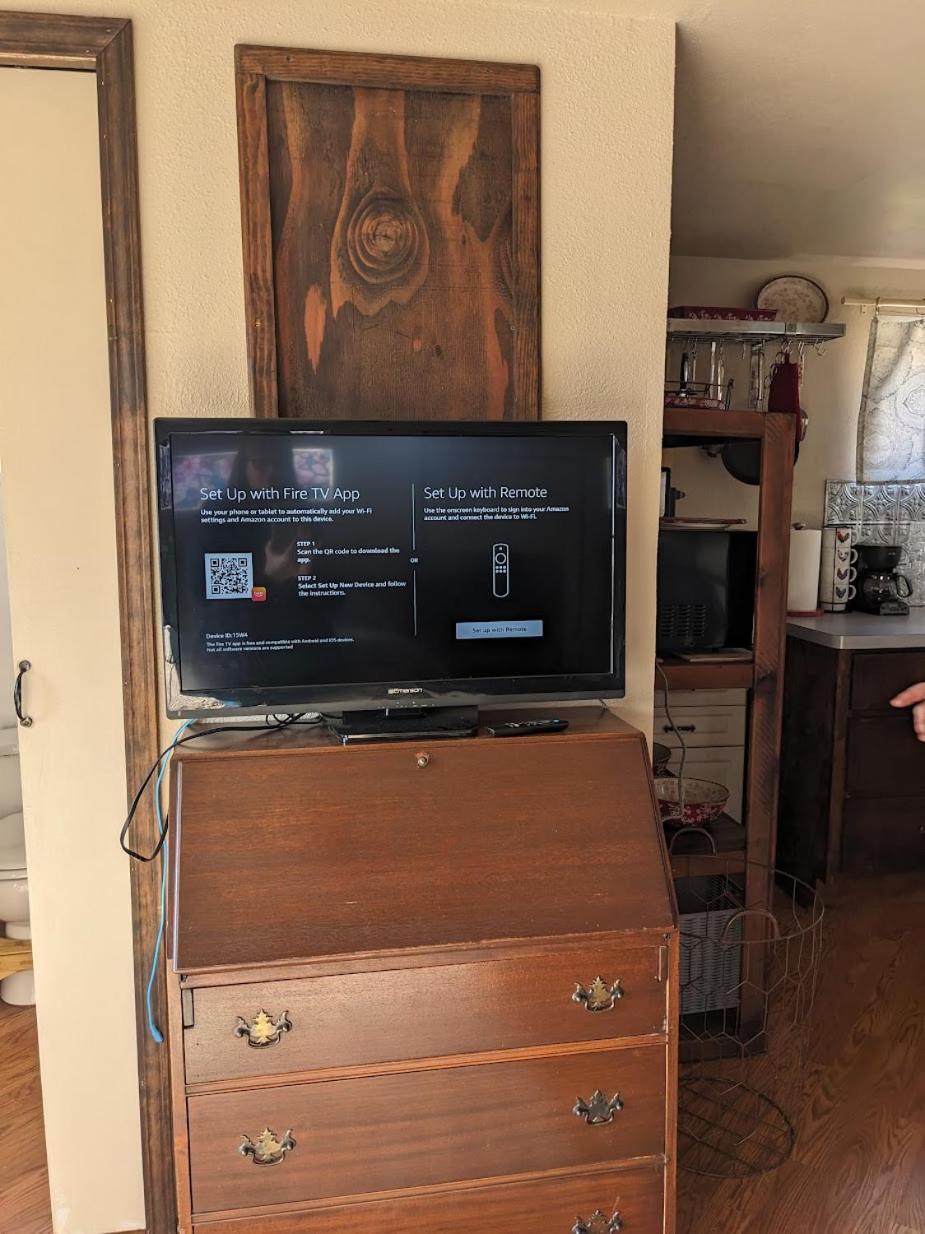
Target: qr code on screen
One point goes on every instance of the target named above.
(229, 576)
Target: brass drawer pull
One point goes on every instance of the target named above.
(598, 1224)
(267, 1149)
(263, 1031)
(599, 996)
(599, 1109)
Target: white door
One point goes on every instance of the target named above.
(56, 455)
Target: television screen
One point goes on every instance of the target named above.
(362, 564)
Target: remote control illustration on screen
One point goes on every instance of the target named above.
(501, 570)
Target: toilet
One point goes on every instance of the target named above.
(18, 989)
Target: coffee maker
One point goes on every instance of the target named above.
(880, 589)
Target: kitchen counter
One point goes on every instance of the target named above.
(852, 784)
(860, 631)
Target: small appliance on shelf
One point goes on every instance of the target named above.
(706, 589)
(879, 588)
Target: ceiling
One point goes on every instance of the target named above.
(798, 127)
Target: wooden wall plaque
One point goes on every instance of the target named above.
(390, 218)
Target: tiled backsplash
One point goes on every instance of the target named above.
(884, 513)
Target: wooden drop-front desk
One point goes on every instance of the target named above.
(385, 1010)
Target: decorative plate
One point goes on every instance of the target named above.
(795, 298)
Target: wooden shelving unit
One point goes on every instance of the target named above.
(717, 675)
(763, 675)
(689, 426)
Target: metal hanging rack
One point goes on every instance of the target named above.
(693, 328)
(712, 336)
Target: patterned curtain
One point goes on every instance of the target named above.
(891, 426)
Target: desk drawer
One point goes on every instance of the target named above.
(885, 759)
(545, 1206)
(387, 1016)
(345, 852)
(877, 676)
(701, 726)
(384, 1133)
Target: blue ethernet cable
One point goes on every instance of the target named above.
(155, 1032)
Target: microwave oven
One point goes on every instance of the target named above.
(706, 589)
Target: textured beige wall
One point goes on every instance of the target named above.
(607, 114)
(607, 107)
(831, 392)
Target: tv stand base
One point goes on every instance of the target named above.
(404, 724)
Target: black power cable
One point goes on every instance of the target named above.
(272, 724)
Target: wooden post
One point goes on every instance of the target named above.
(766, 704)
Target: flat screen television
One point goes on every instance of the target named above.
(336, 565)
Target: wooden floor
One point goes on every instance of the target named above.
(859, 1162)
(24, 1204)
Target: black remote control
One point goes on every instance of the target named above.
(527, 727)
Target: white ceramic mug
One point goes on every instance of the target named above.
(837, 570)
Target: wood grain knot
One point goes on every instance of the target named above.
(384, 238)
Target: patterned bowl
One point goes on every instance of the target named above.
(691, 803)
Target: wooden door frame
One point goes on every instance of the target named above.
(103, 46)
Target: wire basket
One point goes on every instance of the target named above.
(710, 956)
(751, 941)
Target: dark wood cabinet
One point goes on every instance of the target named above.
(423, 985)
(852, 772)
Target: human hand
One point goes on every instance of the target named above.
(914, 697)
